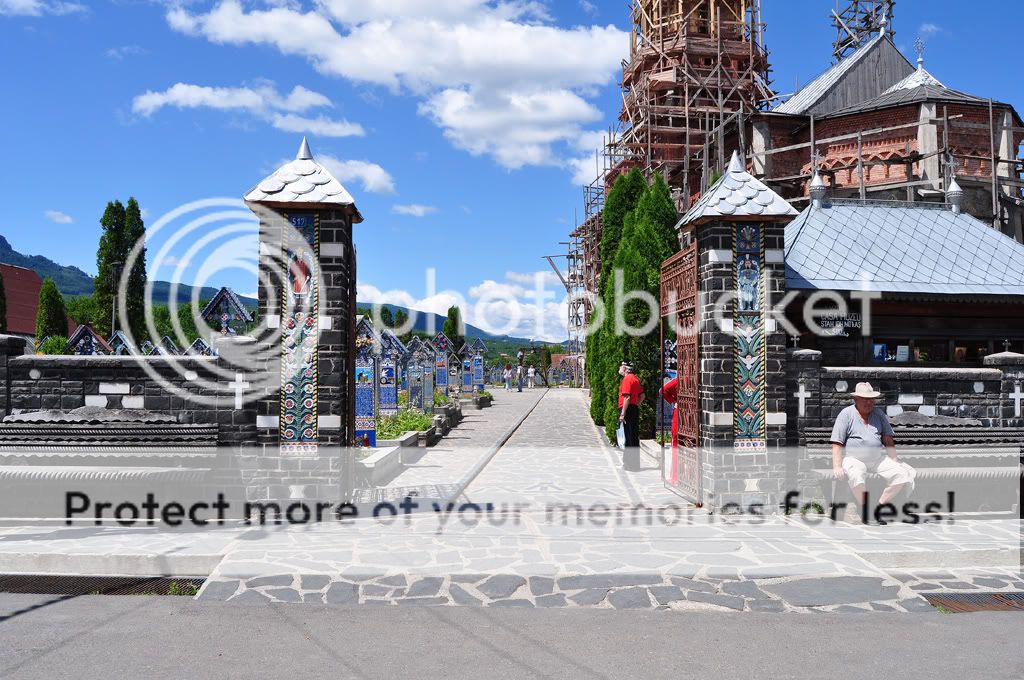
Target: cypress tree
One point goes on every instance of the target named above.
(453, 327)
(111, 249)
(135, 232)
(601, 368)
(51, 318)
(3, 306)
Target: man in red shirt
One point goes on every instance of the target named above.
(631, 395)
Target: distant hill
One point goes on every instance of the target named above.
(423, 318)
(69, 280)
(72, 281)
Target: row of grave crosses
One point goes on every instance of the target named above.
(385, 365)
(86, 341)
(225, 313)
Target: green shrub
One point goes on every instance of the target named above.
(407, 420)
(54, 344)
(403, 397)
(486, 394)
(441, 399)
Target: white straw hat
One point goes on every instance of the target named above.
(865, 390)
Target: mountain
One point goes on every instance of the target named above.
(472, 332)
(69, 280)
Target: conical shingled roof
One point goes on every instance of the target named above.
(738, 194)
(304, 183)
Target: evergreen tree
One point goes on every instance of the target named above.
(3, 306)
(601, 368)
(110, 251)
(386, 317)
(401, 319)
(135, 233)
(453, 327)
(51, 319)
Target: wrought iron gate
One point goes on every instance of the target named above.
(679, 305)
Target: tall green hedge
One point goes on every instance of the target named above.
(646, 237)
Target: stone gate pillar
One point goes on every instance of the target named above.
(738, 225)
(307, 291)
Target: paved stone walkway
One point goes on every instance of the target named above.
(559, 456)
(551, 521)
(456, 454)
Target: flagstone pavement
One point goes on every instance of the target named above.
(551, 520)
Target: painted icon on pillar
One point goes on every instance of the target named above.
(299, 330)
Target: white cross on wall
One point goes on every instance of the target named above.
(240, 388)
(802, 395)
(1017, 397)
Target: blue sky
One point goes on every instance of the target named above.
(464, 159)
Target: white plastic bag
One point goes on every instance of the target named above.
(620, 436)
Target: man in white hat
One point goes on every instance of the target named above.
(863, 442)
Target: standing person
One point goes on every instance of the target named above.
(519, 377)
(531, 375)
(631, 395)
(507, 375)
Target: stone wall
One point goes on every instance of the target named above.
(985, 394)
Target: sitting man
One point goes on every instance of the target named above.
(862, 431)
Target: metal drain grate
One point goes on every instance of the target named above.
(977, 602)
(98, 585)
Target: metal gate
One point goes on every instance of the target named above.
(679, 305)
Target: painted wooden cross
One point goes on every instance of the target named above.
(802, 395)
(240, 388)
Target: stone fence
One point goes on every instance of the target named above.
(991, 395)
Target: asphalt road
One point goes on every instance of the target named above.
(175, 637)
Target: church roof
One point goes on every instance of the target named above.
(919, 86)
(737, 194)
(304, 183)
(860, 75)
(910, 248)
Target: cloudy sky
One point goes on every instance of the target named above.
(463, 128)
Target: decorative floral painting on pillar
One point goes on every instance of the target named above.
(748, 317)
(299, 339)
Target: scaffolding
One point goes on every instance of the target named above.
(857, 21)
(693, 64)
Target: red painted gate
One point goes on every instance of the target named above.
(679, 307)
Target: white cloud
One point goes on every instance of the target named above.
(516, 128)
(373, 177)
(262, 101)
(35, 8)
(929, 29)
(495, 76)
(58, 217)
(320, 126)
(414, 209)
(119, 53)
(588, 7)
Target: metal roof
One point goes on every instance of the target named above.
(910, 248)
(737, 194)
(913, 92)
(819, 87)
(302, 182)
